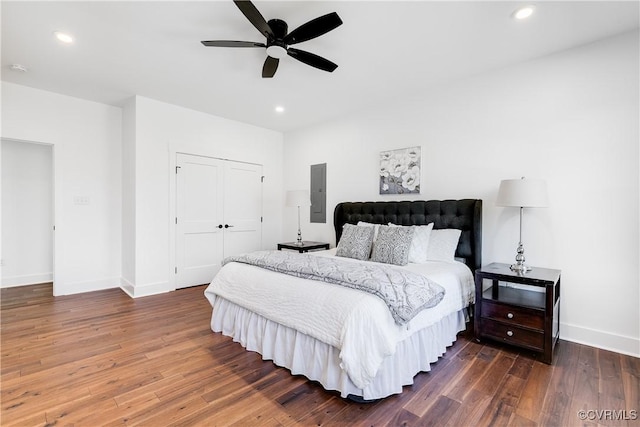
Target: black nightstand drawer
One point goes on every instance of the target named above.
(511, 334)
(519, 316)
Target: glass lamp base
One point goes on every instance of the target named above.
(299, 241)
(520, 268)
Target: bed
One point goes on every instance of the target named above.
(345, 339)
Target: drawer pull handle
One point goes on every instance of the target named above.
(509, 315)
(509, 333)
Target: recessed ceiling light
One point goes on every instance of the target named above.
(19, 67)
(63, 37)
(279, 109)
(523, 12)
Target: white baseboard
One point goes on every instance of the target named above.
(127, 287)
(600, 339)
(137, 291)
(85, 286)
(27, 279)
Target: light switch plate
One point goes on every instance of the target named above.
(82, 200)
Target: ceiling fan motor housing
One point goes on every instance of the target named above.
(279, 28)
(279, 39)
(276, 48)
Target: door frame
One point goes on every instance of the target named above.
(173, 152)
(56, 240)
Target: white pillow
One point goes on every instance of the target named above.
(443, 244)
(376, 228)
(419, 243)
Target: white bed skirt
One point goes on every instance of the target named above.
(304, 355)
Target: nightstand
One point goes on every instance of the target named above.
(518, 309)
(305, 247)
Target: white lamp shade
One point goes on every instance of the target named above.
(298, 198)
(525, 193)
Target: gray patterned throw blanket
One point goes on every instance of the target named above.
(406, 293)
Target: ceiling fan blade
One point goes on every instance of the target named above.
(314, 28)
(232, 43)
(255, 17)
(312, 59)
(270, 66)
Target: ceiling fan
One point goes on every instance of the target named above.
(278, 40)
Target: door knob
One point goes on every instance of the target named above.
(220, 226)
(228, 226)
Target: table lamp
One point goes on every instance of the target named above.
(522, 193)
(298, 198)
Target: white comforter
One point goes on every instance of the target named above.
(357, 323)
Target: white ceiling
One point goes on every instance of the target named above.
(384, 49)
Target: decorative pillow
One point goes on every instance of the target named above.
(376, 227)
(392, 245)
(443, 244)
(419, 243)
(355, 242)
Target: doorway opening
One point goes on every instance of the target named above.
(27, 210)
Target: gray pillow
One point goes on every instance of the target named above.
(355, 242)
(392, 245)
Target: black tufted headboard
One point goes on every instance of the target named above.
(465, 215)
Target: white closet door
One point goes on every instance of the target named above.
(242, 208)
(199, 232)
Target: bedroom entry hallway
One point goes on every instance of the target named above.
(218, 214)
(27, 255)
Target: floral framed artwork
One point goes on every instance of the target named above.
(400, 171)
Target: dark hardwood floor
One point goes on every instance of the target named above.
(102, 358)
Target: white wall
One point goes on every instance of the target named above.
(87, 164)
(161, 130)
(120, 160)
(569, 118)
(27, 213)
(129, 194)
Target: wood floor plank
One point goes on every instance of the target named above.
(586, 385)
(532, 397)
(324, 413)
(467, 377)
(117, 416)
(520, 421)
(88, 408)
(471, 409)
(489, 382)
(39, 401)
(103, 358)
(359, 414)
(631, 385)
(33, 419)
(504, 402)
(556, 405)
(168, 413)
(438, 380)
(440, 412)
(611, 389)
